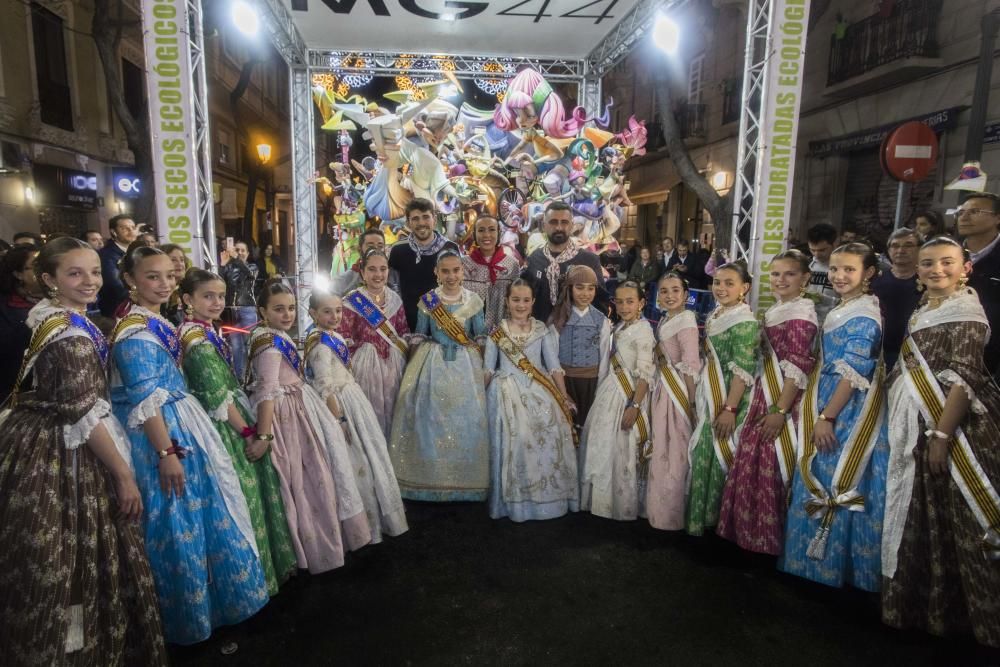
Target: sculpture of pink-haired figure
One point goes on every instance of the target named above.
(530, 101)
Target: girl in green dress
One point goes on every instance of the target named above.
(208, 365)
(722, 397)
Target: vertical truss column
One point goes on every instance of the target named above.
(303, 167)
(590, 92)
(205, 228)
(751, 112)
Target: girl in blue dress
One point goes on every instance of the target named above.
(440, 442)
(198, 533)
(834, 526)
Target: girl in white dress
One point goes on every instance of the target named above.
(616, 443)
(533, 472)
(327, 362)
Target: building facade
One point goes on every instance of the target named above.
(65, 163)
(869, 67)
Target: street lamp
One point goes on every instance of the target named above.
(264, 153)
(666, 34)
(245, 18)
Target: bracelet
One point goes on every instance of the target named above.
(248, 431)
(934, 433)
(777, 410)
(174, 449)
(632, 404)
(729, 408)
(266, 437)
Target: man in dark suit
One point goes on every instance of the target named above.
(979, 225)
(113, 292)
(689, 265)
(667, 245)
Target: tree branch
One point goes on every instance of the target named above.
(719, 207)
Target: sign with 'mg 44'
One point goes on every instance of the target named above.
(543, 28)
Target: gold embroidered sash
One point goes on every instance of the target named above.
(968, 474)
(773, 383)
(517, 357)
(725, 451)
(853, 461)
(645, 444)
(674, 385)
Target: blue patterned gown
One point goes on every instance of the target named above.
(852, 336)
(201, 547)
(440, 439)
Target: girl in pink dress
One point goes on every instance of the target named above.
(374, 327)
(755, 498)
(678, 366)
(307, 447)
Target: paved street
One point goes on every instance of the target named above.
(462, 589)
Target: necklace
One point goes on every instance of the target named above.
(718, 312)
(932, 303)
(844, 302)
(378, 299)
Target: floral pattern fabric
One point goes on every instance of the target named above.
(213, 383)
(736, 348)
(440, 440)
(64, 544)
(533, 473)
(754, 499)
(849, 352)
(207, 571)
(943, 583)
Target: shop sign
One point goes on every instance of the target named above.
(61, 186)
(126, 183)
(939, 121)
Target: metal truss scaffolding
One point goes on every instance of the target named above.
(303, 168)
(202, 136)
(745, 192)
(383, 63)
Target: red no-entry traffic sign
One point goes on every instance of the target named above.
(910, 151)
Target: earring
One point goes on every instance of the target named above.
(53, 291)
(920, 286)
(963, 281)
(133, 294)
(866, 286)
(188, 310)
(804, 290)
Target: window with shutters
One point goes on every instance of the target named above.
(51, 70)
(696, 79)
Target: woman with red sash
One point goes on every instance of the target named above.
(374, 327)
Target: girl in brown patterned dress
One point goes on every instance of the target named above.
(940, 543)
(75, 585)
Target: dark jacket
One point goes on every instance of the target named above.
(985, 279)
(695, 273)
(15, 335)
(644, 274)
(241, 283)
(535, 272)
(113, 291)
(415, 278)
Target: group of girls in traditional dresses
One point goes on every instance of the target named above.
(781, 434)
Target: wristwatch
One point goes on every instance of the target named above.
(778, 410)
(824, 418)
(729, 408)
(633, 404)
(266, 437)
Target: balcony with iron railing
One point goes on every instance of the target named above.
(691, 121)
(884, 48)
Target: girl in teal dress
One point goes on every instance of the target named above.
(211, 378)
(722, 398)
(440, 441)
(198, 533)
(840, 421)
